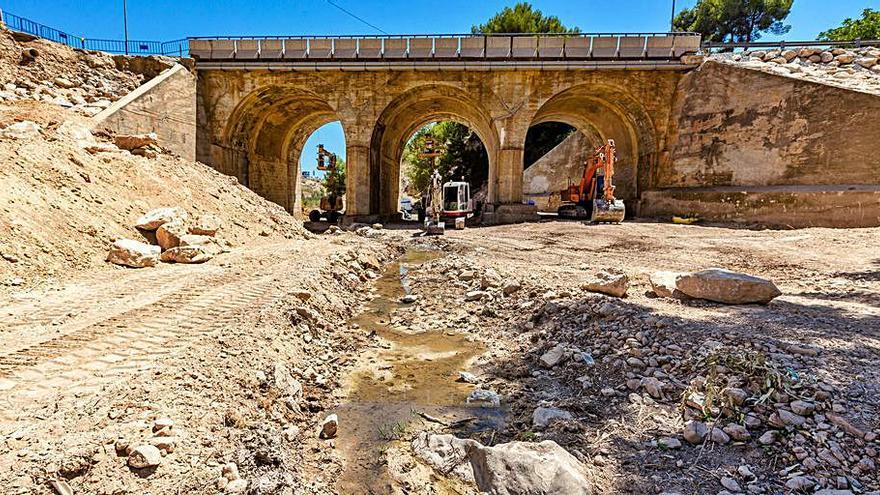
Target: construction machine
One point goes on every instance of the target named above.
(332, 203)
(593, 196)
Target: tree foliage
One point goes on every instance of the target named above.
(735, 20)
(463, 156)
(335, 181)
(866, 28)
(522, 18)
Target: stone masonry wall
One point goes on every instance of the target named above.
(776, 141)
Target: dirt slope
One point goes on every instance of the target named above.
(61, 206)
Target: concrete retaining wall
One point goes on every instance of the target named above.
(165, 105)
(755, 137)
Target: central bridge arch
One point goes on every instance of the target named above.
(407, 113)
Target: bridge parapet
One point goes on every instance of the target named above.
(474, 47)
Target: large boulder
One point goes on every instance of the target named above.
(725, 286)
(613, 284)
(136, 254)
(515, 468)
(186, 254)
(154, 219)
(168, 234)
(523, 468)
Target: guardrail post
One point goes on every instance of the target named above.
(858, 42)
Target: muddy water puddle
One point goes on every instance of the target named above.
(410, 373)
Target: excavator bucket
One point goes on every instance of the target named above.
(607, 211)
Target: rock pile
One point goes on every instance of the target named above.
(177, 240)
(86, 82)
(857, 68)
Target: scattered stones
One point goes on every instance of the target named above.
(725, 286)
(329, 427)
(669, 443)
(613, 284)
(476, 295)
(737, 432)
(409, 299)
(144, 456)
(134, 254)
(544, 416)
(730, 484)
(553, 357)
(695, 431)
(465, 377)
(485, 398)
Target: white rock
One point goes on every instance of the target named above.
(236, 486)
(144, 456)
(135, 254)
(613, 284)
(80, 134)
(544, 416)
(22, 130)
(154, 219)
(485, 398)
(663, 284)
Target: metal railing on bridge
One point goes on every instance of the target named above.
(175, 48)
(587, 46)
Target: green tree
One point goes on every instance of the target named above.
(335, 181)
(866, 28)
(522, 18)
(463, 156)
(735, 20)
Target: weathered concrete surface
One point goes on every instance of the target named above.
(547, 177)
(165, 105)
(254, 124)
(776, 150)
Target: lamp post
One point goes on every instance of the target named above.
(672, 19)
(125, 23)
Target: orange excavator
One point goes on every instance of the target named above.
(593, 197)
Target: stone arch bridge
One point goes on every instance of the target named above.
(260, 99)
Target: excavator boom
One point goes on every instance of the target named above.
(594, 197)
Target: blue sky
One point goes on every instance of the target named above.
(173, 19)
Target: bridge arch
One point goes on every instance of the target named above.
(601, 112)
(407, 113)
(264, 139)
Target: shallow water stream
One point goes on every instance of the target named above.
(410, 373)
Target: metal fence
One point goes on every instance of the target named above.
(175, 48)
